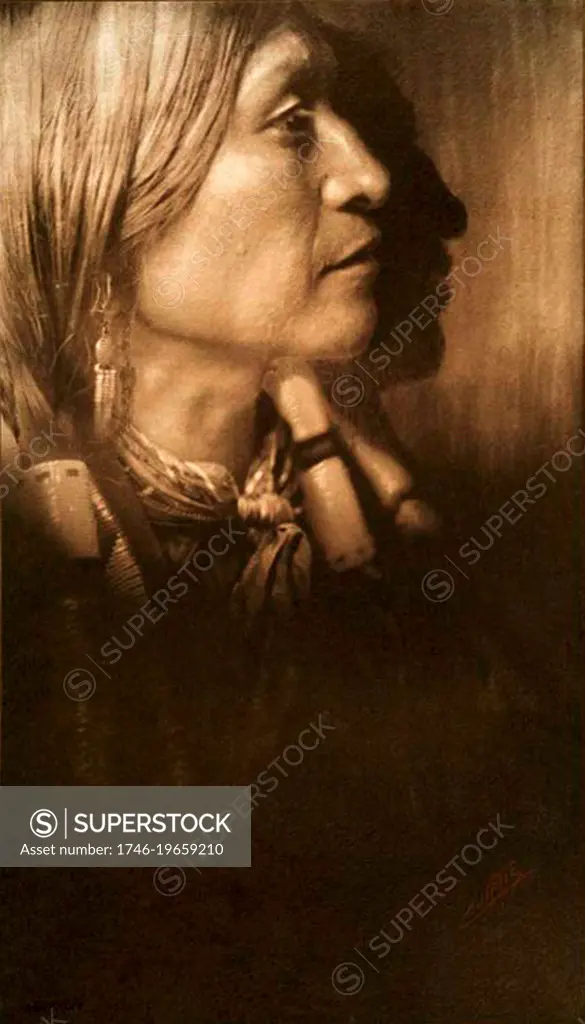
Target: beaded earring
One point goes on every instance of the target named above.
(112, 371)
(105, 370)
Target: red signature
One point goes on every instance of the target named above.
(499, 885)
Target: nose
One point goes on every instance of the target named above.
(352, 176)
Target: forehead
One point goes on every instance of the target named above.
(287, 52)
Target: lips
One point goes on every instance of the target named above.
(362, 253)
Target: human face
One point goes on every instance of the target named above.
(275, 256)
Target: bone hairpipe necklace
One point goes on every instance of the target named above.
(331, 503)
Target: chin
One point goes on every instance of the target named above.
(348, 336)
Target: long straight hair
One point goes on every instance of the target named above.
(110, 116)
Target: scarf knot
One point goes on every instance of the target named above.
(183, 493)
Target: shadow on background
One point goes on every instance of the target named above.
(541, 635)
(421, 212)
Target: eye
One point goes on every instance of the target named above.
(294, 124)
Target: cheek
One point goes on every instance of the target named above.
(242, 262)
(251, 197)
(169, 283)
(266, 225)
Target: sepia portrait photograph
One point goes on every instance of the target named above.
(291, 370)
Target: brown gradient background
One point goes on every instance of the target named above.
(496, 88)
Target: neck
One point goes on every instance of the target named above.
(198, 402)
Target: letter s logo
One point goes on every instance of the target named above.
(43, 823)
(116, 651)
(174, 588)
(271, 778)
(468, 554)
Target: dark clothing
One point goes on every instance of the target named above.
(426, 737)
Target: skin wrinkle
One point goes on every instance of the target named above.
(249, 296)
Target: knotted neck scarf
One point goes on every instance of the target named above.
(183, 499)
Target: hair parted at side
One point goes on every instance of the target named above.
(110, 115)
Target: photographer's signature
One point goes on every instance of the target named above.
(499, 885)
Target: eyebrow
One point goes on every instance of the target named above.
(319, 63)
(317, 67)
